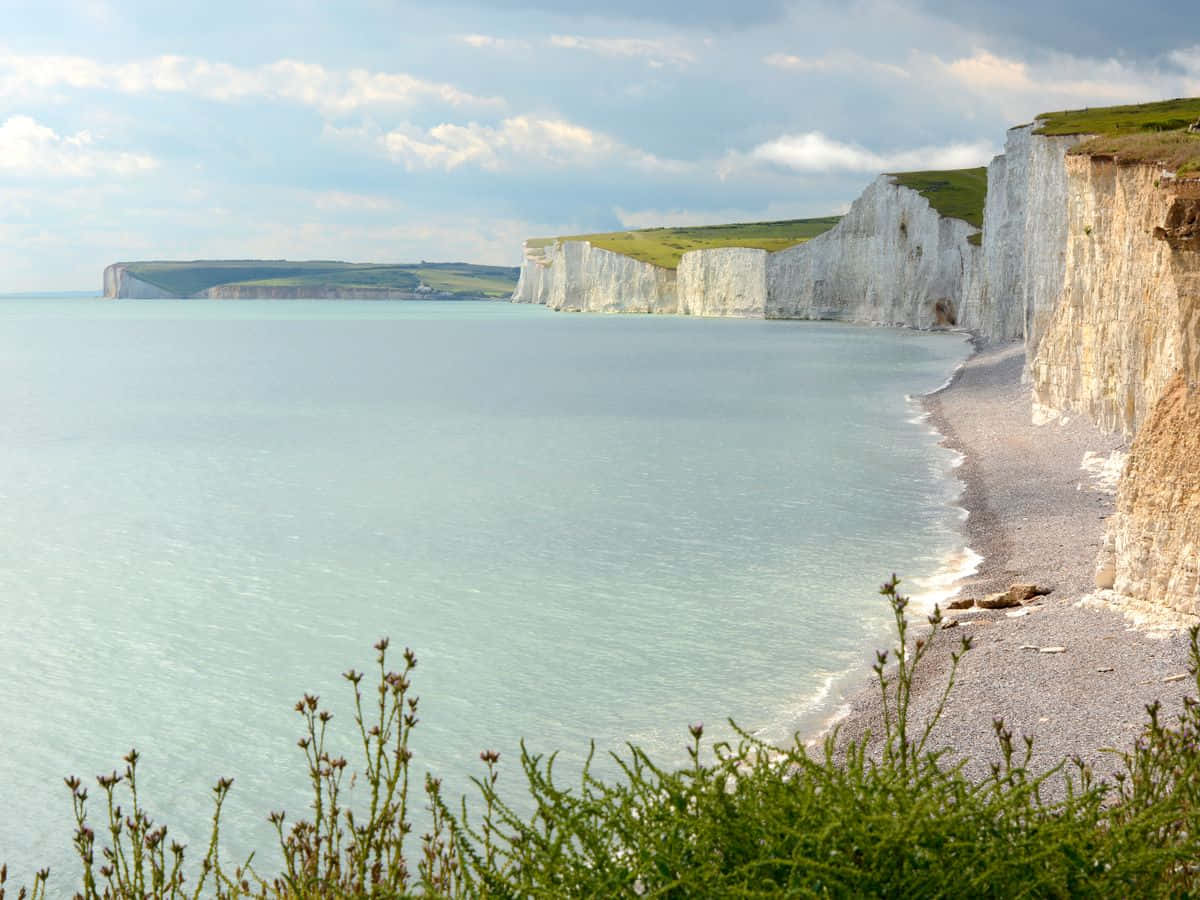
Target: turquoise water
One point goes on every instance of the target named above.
(587, 527)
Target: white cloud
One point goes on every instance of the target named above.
(656, 52)
(331, 91)
(490, 42)
(342, 201)
(984, 71)
(30, 148)
(527, 138)
(1023, 88)
(1189, 61)
(837, 61)
(813, 152)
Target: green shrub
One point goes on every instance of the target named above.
(758, 820)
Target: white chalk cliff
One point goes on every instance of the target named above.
(574, 275)
(728, 281)
(120, 282)
(1093, 264)
(1024, 239)
(891, 260)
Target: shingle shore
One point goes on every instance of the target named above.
(1035, 516)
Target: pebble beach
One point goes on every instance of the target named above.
(1071, 669)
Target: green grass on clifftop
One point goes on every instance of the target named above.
(1167, 115)
(1144, 133)
(664, 246)
(955, 193)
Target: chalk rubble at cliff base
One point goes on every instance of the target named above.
(1075, 676)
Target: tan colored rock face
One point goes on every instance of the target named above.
(1127, 318)
(1122, 348)
(1154, 540)
(1181, 231)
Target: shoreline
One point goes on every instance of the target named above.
(1035, 513)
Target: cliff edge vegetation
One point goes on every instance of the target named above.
(1162, 133)
(665, 246)
(954, 194)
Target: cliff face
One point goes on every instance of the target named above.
(533, 280)
(1153, 548)
(1121, 346)
(1095, 266)
(574, 275)
(118, 282)
(891, 260)
(730, 281)
(1126, 318)
(1123, 349)
(1016, 287)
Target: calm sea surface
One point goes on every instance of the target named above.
(587, 527)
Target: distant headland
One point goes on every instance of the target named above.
(317, 279)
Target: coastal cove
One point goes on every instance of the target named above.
(629, 524)
(1074, 262)
(554, 451)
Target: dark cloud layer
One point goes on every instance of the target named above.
(1081, 27)
(711, 13)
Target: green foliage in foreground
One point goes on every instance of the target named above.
(187, 279)
(955, 193)
(757, 821)
(664, 246)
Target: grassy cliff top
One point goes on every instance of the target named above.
(1144, 133)
(955, 193)
(185, 279)
(664, 246)
(1166, 115)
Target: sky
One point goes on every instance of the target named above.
(381, 131)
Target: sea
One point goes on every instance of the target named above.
(592, 530)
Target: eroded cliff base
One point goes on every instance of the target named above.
(1037, 514)
(1154, 543)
